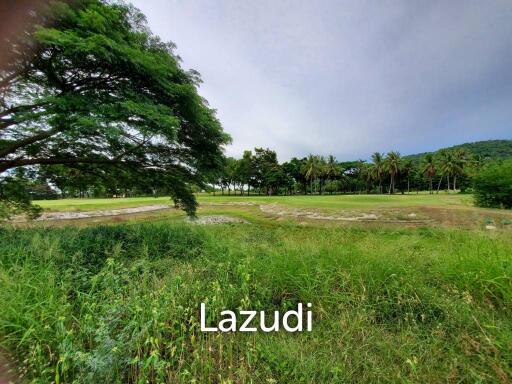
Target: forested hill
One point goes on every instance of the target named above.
(489, 149)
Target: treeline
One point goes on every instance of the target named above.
(57, 181)
(259, 172)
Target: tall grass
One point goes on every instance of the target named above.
(120, 303)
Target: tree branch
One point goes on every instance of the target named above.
(6, 123)
(4, 82)
(27, 141)
(8, 164)
(22, 108)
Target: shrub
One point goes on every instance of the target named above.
(493, 185)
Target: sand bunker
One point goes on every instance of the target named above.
(217, 219)
(342, 215)
(232, 203)
(99, 213)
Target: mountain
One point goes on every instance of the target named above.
(488, 149)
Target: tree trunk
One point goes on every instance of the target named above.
(392, 185)
(454, 183)
(408, 189)
(439, 184)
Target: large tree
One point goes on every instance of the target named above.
(244, 171)
(267, 171)
(86, 82)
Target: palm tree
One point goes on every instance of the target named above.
(323, 174)
(429, 169)
(312, 169)
(392, 162)
(378, 168)
(449, 166)
(461, 157)
(407, 169)
(367, 175)
(331, 170)
(476, 161)
(444, 159)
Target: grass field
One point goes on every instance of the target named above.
(451, 210)
(323, 201)
(119, 303)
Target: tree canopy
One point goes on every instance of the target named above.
(88, 84)
(493, 185)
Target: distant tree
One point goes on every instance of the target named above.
(429, 169)
(393, 164)
(460, 160)
(331, 170)
(407, 171)
(244, 171)
(293, 174)
(295, 170)
(322, 177)
(312, 169)
(378, 168)
(230, 166)
(367, 176)
(449, 166)
(476, 161)
(443, 159)
(267, 171)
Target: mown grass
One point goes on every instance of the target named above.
(317, 201)
(61, 205)
(119, 303)
(348, 201)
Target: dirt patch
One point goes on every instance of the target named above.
(49, 216)
(233, 203)
(384, 216)
(216, 219)
(469, 217)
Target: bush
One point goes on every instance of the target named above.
(15, 200)
(493, 185)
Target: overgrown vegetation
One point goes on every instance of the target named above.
(120, 303)
(493, 185)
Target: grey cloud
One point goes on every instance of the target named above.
(347, 77)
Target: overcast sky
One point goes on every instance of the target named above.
(347, 77)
